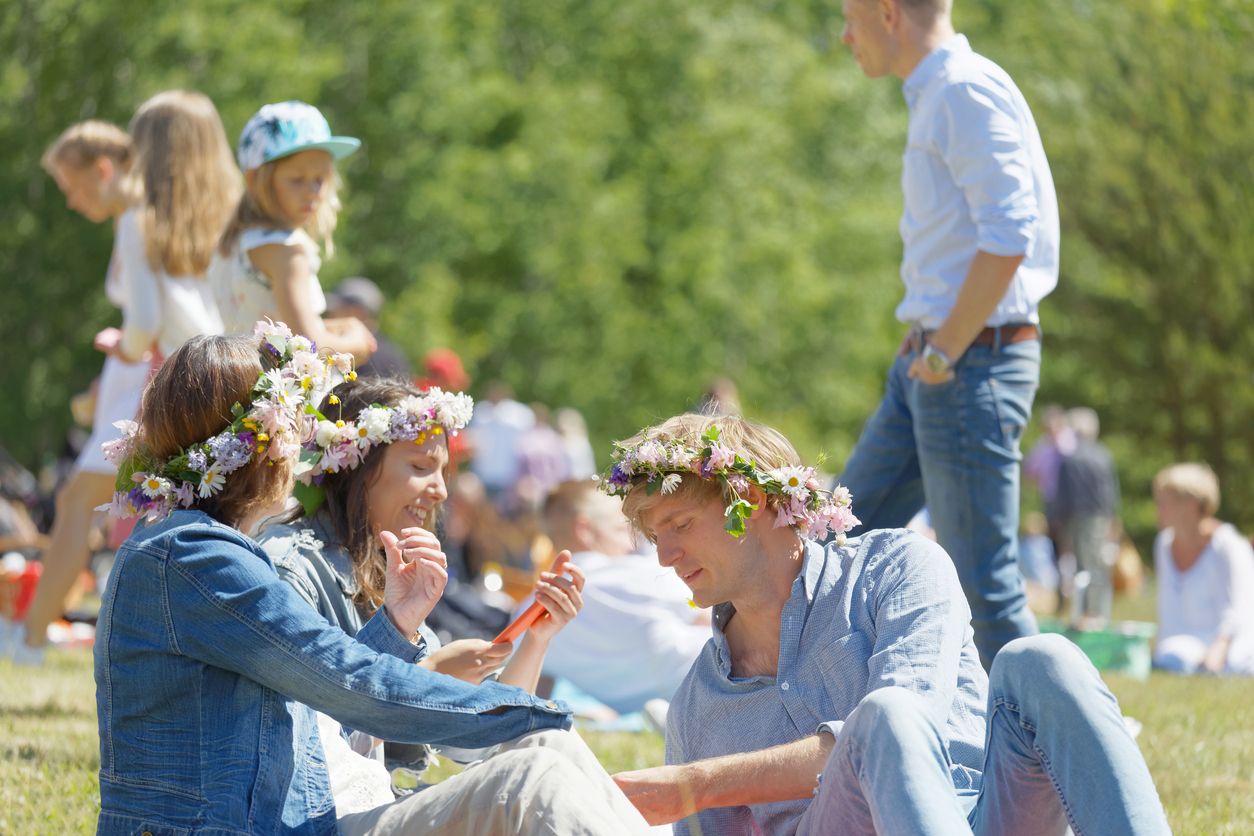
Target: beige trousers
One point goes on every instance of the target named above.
(548, 782)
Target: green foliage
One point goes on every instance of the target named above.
(609, 204)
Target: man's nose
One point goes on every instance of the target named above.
(668, 553)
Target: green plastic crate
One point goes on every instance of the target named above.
(1123, 647)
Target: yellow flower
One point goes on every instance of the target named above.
(339, 423)
(262, 437)
(334, 399)
(351, 376)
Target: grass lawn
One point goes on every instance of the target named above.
(1198, 739)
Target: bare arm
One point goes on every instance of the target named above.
(562, 598)
(987, 281)
(667, 794)
(289, 270)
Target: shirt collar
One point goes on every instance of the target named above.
(931, 66)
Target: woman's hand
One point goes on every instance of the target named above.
(560, 596)
(416, 574)
(470, 660)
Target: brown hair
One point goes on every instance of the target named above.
(565, 504)
(765, 447)
(346, 491)
(190, 182)
(189, 400)
(259, 207)
(82, 143)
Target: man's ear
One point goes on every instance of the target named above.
(583, 534)
(250, 177)
(104, 169)
(890, 14)
(757, 498)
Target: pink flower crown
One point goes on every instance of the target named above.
(280, 418)
(662, 466)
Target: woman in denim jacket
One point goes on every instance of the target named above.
(209, 667)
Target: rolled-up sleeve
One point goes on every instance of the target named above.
(984, 148)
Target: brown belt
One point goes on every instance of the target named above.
(1016, 332)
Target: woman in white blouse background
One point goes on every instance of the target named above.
(1205, 571)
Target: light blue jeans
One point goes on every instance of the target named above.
(955, 447)
(1056, 754)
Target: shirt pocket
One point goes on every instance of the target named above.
(839, 669)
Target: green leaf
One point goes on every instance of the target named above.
(310, 497)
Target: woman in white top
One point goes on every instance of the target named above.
(268, 260)
(170, 206)
(1205, 573)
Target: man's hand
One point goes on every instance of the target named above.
(470, 660)
(919, 371)
(416, 574)
(662, 794)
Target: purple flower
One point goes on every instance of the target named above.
(619, 477)
(196, 460)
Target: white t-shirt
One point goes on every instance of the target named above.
(635, 638)
(156, 307)
(1216, 594)
(244, 293)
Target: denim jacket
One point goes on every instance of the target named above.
(203, 659)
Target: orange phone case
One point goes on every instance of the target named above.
(530, 615)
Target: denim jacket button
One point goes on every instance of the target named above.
(551, 704)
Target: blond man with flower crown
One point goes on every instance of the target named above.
(841, 691)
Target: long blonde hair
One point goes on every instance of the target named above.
(259, 207)
(189, 178)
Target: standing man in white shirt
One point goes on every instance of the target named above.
(980, 235)
(637, 634)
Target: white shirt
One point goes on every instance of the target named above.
(635, 638)
(1215, 595)
(245, 294)
(974, 177)
(156, 307)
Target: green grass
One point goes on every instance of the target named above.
(1197, 739)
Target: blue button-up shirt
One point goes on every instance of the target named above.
(883, 610)
(974, 177)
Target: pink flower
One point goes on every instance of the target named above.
(738, 483)
(720, 457)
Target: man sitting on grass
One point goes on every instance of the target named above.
(841, 691)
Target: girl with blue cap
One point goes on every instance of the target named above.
(269, 256)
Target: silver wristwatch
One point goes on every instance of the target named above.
(937, 361)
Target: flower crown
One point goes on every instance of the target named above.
(662, 466)
(274, 426)
(342, 445)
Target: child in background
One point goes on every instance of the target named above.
(269, 255)
(171, 196)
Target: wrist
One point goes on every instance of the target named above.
(411, 636)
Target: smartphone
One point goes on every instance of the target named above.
(530, 615)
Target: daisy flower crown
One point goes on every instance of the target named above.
(340, 445)
(660, 466)
(278, 420)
